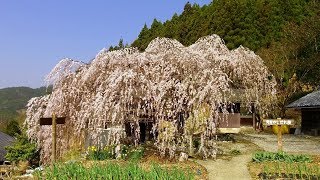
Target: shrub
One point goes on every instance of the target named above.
(22, 150)
(13, 128)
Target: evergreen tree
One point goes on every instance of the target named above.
(111, 48)
(13, 128)
(120, 44)
(144, 32)
(23, 150)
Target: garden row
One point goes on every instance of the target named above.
(111, 170)
(269, 165)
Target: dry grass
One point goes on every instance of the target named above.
(14, 171)
(152, 156)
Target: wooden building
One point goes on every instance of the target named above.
(310, 112)
(238, 116)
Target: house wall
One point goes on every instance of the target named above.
(310, 120)
(228, 123)
(246, 120)
(231, 120)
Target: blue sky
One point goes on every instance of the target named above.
(36, 34)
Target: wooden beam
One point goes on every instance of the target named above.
(48, 121)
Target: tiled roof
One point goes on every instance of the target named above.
(5, 140)
(311, 100)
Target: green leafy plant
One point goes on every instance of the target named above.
(22, 150)
(280, 156)
(76, 170)
(136, 153)
(290, 171)
(95, 153)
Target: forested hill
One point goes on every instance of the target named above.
(14, 99)
(251, 23)
(285, 33)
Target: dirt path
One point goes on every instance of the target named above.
(223, 169)
(229, 165)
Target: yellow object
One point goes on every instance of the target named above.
(284, 129)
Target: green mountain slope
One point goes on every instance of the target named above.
(14, 99)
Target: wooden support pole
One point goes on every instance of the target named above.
(53, 121)
(279, 138)
(54, 138)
